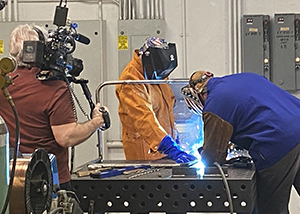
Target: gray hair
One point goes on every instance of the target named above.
(20, 34)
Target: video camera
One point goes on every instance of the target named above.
(55, 53)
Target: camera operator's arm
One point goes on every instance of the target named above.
(72, 134)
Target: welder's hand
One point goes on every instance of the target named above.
(169, 147)
(100, 117)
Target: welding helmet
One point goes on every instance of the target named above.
(193, 91)
(159, 58)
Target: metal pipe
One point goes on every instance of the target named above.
(121, 10)
(125, 9)
(156, 13)
(234, 36)
(239, 37)
(152, 8)
(133, 9)
(100, 10)
(151, 82)
(184, 38)
(129, 9)
(16, 10)
(3, 15)
(230, 36)
(139, 9)
(147, 9)
(102, 85)
(161, 11)
(9, 6)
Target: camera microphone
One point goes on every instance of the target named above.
(81, 38)
(2, 5)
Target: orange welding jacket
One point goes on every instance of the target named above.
(146, 113)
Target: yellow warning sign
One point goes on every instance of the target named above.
(122, 42)
(1, 47)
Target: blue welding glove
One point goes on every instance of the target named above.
(169, 147)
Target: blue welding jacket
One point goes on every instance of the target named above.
(264, 117)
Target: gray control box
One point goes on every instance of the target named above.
(256, 44)
(286, 57)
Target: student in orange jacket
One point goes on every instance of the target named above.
(146, 110)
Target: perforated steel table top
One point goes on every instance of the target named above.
(156, 189)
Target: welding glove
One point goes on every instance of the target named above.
(168, 146)
(217, 133)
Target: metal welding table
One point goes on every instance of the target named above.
(158, 190)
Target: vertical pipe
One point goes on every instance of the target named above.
(9, 10)
(16, 10)
(100, 11)
(140, 9)
(239, 35)
(184, 43)
(161, 9)
(3, 15)
(129, 10)
(234, 36)
(125, 9)
(121, 9)
(156, 13)
(133, 9)
(230, 35)
(152, 8)
(147, 9)
(137, 4)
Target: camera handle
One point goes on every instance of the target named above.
(88, 95)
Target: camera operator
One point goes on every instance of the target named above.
(45, 109)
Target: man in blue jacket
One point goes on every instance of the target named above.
(254, 114)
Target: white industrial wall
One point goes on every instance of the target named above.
(207, 34)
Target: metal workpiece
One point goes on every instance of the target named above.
(156, 190)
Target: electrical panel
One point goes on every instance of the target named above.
(256, 44)
(132, 35)
(286, 54)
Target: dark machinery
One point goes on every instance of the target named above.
(162, 186)
(33, 184)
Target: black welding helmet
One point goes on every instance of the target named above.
(159, 58)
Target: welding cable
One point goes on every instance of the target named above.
(226, 187)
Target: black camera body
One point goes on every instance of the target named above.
(55, 53)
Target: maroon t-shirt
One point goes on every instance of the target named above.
(40, 105)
